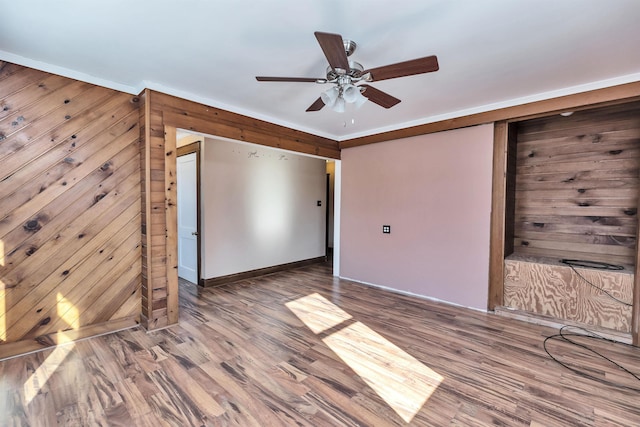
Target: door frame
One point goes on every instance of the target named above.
(194, 147)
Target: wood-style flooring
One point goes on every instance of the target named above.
(302, 348)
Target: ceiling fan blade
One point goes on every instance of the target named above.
(316, 106)
(379, 97)
(401, 69)
(333, 49)
(288, 79)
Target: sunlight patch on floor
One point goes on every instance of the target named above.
(397, 377)
(39, 378)
(401, 380)
(317, 312)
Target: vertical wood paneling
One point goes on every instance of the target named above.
(69, 209)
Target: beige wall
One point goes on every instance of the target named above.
(435, 192)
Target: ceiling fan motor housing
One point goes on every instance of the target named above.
(354, 71)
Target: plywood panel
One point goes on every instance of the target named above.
(555, 290)
(70, 209)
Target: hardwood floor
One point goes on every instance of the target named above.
(301, 348)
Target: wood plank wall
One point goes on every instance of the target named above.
(161, 116)
(577, 185)
(69, 209)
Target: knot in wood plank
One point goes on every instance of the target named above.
(32, 225)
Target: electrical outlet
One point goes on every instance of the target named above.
(386, 229)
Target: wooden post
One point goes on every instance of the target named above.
(145, 178)
(498, 197)
(635, 309)
(171, 208)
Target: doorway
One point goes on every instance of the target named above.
(188, 207)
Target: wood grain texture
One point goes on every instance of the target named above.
(70, 213)
(241, 357)
(579, 174)
(555, 290)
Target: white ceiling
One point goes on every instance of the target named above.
(492, 53)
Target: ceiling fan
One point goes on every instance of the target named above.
(344, 74)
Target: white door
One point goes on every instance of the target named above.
(187, 217)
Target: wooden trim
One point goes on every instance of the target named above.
(171, 211)
(206, 126)
(497, 228)
(209, 120)
(222, 280)
(635, 309)
(53, 339)
(145, 159)
(552, 322)
(194, 148)
(611, 95)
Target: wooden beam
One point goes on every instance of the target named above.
(611, 95)
(190, 115)
(239, 133)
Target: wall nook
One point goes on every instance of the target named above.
(572, 194)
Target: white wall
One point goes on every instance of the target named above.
(259, 207)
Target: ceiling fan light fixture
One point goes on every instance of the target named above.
(352, 95)
(339, 105)
(330, 96)
(360, 99)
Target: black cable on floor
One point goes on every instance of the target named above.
(561, 335)
(590, 335)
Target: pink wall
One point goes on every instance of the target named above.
(435, 192)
